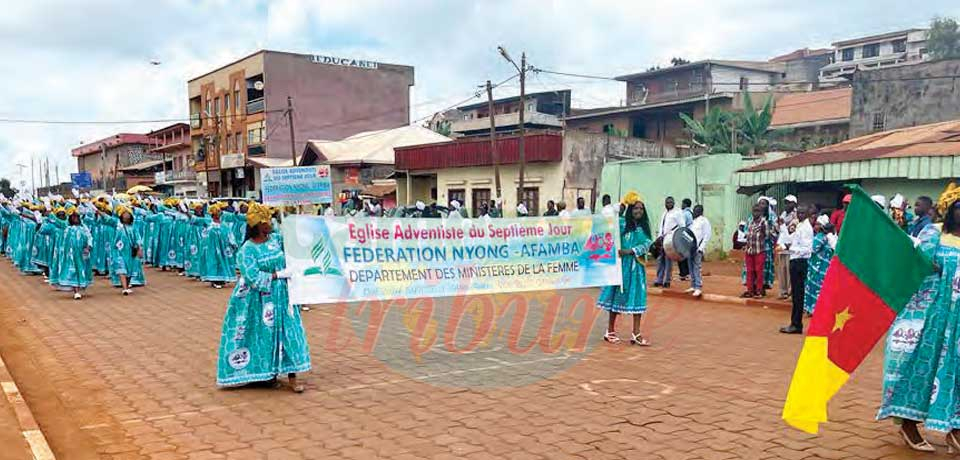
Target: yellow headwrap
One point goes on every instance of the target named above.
(197, 205)
(216, 208)
(72, 211)
(59, 210)
(949, 195)
(258, 213)
(120, 209)
(632, 197)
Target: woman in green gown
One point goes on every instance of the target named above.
(126, 253)
(262, 335)
(194, 229)
(630, 297)
(75, 271)
(217, 250)
(921, 382)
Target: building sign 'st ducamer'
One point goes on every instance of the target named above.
(347, 62)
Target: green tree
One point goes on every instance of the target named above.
(714, 132)
(6, 189)
(943, 38)
(678, 61)
(755, 133)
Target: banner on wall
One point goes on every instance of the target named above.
(299, 185)
(353, 259)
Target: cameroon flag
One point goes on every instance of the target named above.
(873, 274)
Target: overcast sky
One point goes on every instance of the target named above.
(90, 60)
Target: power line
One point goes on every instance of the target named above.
(720, 83)
(123, 122)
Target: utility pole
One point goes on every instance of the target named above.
(103, 166)
(493, 141)
(523, 158)
(293, 141)
(33, 182)
(522, 69)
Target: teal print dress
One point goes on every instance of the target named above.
(74, 268)
(122, 258)
(922, 353)
(217, 251)
(262, 334)
(631, 296)
(819, 261)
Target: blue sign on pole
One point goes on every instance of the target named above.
(81, 179)
(300, 185)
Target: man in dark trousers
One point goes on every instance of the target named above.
(800, 244)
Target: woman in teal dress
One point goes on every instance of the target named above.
(262, 335)
(631, 296)
(921, 360)
(126, 253)
(75, 271)
(29, 224)
(194, 229)
(53, 228)
(217, 250)
(824, 242)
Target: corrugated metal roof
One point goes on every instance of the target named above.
(922, 152)
(808, 107)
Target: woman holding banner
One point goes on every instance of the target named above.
(262, 334)
(631, 296)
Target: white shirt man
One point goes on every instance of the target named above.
(801, 241)
(702, 231)
(671, 220)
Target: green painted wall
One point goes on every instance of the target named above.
(708, 180)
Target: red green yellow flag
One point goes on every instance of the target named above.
(873, 274)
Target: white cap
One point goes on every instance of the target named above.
(762, 198)
(455, 204)
(421, 206)
(897, 201)
(880, 199)
(823, 219)
(522, 209)
(790, 198)
(772, 201)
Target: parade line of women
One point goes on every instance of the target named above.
(70, 241)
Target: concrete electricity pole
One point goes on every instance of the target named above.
(293, 140)
(493, 141)
(522, 68)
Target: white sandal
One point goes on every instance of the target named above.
(639, 341)
(611, 337)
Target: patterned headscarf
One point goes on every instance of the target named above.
(258, 213)
(949, 195)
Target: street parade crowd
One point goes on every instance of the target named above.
(70, 242)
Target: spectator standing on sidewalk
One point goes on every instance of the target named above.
(702, 231)
(687, 222)
(801, 247)
(787, 219)
(755, 254)
(672, 219)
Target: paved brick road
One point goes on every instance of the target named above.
(114, 377)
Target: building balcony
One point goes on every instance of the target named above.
(538, 148)
(644, 97)
(505, 121)
(255, 106)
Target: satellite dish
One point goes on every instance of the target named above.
(258, 85)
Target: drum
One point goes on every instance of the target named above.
(679, 244)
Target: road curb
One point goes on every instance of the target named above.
(718, 298)
(28, 424)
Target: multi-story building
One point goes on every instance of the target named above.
(542, 111)
(107, 159)
(900, 47)
(177, 175)
(656, 98)
(904, 96)
(239, 119)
